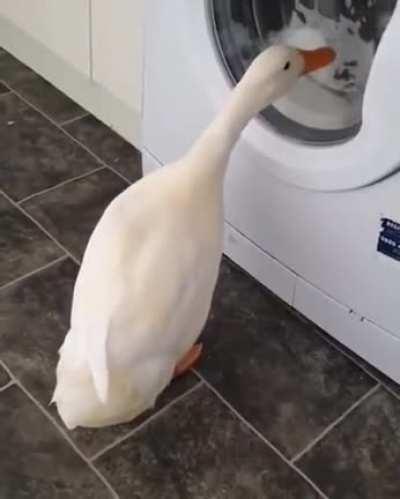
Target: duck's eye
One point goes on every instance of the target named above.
(286, 66)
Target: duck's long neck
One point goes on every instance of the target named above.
(241, 107)
(210, 153)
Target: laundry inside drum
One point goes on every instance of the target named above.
(325, 106)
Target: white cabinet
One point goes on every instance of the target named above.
(90, 49)
(62, 26)
(117, 34)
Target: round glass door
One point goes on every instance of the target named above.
(325, 107)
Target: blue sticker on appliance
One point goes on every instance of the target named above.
(389, 239)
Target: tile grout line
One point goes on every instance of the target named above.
(358, 364)
(335, 423)
(72, 120)
(391, 391)
(66, 133)
(61, 184)
(197, 375)
(147, 421)
(64, 434)
(111, 168)
(40, 226)
(261, 437)
(7, 385)
(4, 93)
(33, 272)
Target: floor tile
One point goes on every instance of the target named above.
(39, 463)
(3, 88)
(49, 100)
(385, 380)
(34, 154)
(71, 211)
(389, 383)
(198, 449)
(92, 441)
(23, 246)
(37, 90)
(109, 146)
(34, 320)
(272, 367)
(4, 377)
(13, 72)
(360, 458)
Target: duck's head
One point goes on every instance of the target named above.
(275, 71)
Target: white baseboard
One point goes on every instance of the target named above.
(377, 346)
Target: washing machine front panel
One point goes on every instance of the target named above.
(328, 238)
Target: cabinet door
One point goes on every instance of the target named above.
(117, 35)
(61, 26)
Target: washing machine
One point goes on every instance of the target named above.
(312, 193)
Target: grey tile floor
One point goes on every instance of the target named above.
(276, 409)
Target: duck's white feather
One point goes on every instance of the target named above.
(135, 311)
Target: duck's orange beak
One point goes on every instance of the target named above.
(317, 59)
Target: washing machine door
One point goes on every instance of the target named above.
(338, 128)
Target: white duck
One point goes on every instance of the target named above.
(147, 278)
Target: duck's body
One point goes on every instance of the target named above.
(147, 278)
(133, 299)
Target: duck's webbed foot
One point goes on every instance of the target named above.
(188, 360)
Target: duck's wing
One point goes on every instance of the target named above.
(133, 281)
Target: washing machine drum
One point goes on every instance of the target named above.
(325, 107)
